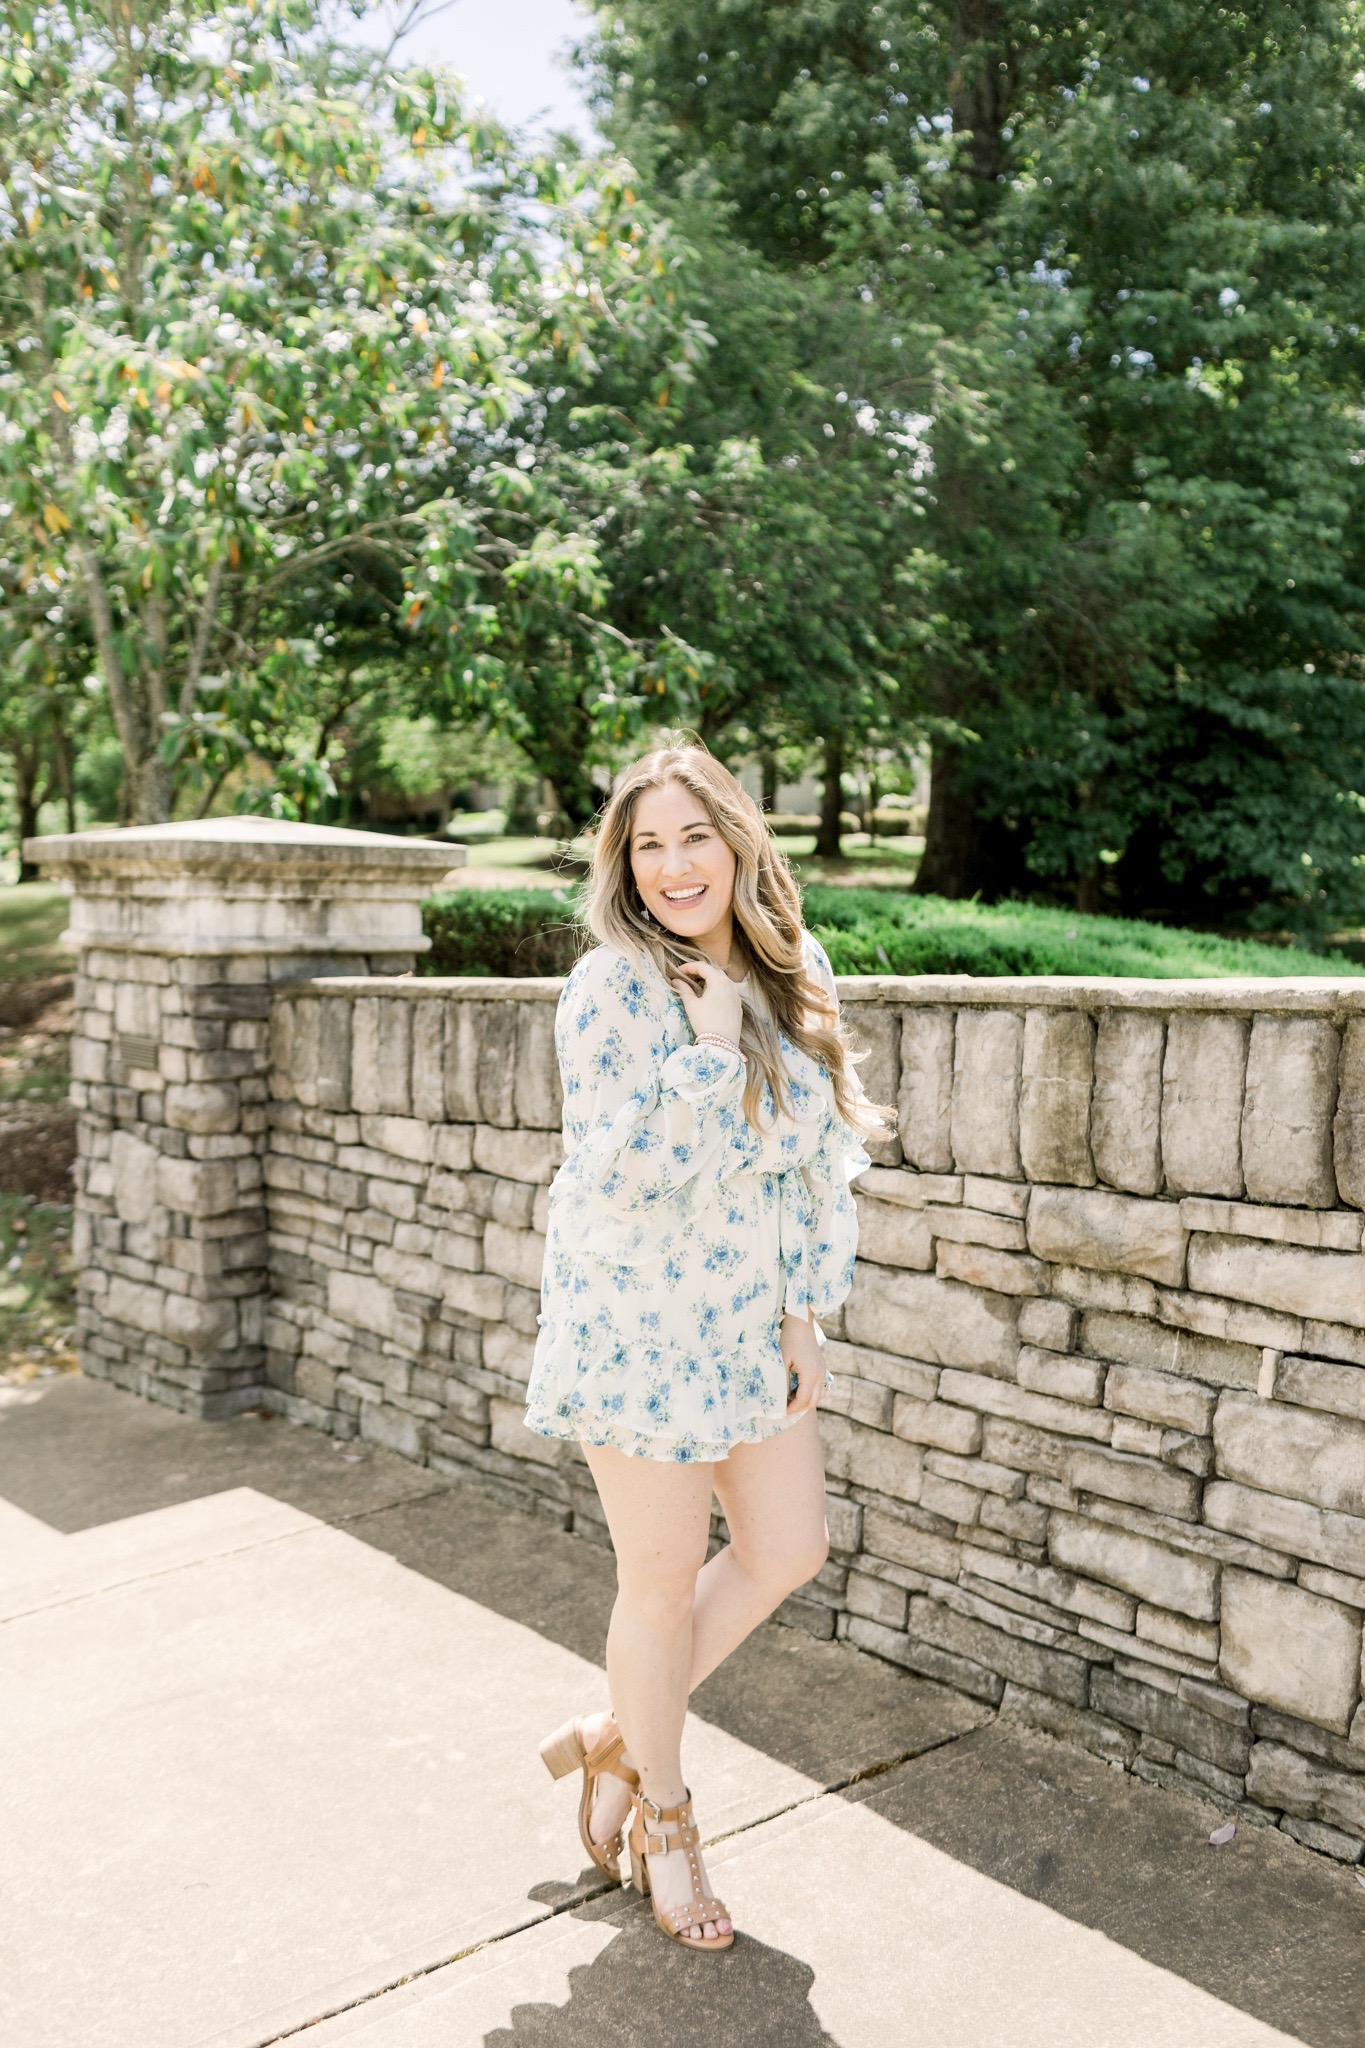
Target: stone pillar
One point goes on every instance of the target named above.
(182, 930)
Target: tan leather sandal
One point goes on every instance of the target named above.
(648, 1838)
(567, 1750)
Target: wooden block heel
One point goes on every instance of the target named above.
(562, 1752)
(568, 1750)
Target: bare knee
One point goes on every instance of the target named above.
(780, 1569)
(660, 1600)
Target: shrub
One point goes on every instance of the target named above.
(888, 931)
(876, 931)
(501, 931)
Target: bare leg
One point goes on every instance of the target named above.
(773, 1496)
(659, 1515)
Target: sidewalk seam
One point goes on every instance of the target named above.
(145, 1578)
(868, 1774)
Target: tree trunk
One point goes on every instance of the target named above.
(62, 766)
(981, 87)
(26, 804)
(964, 853)
(767, 768)
(827, 841)
(563, 766)
(151, 790)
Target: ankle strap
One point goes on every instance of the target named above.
(654, 1819)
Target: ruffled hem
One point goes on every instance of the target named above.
(686, 1449)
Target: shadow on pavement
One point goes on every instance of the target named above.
(1262, 1924)
(643, 1992)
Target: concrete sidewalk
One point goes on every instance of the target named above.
(271, 1709)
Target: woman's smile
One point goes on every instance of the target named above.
(683, 868)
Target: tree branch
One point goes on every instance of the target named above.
(203, 633)
(106, 646)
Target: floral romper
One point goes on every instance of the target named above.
(679, 1235)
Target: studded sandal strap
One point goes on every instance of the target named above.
(606, 1760)
(655, 1819)
(697, 1914)
(687, 1837)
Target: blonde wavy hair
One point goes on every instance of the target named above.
(767, 914)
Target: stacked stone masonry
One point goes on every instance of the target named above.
(1096, 1441)
(183, 933)
(1096, 1446)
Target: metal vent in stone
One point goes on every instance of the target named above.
(130, 1051)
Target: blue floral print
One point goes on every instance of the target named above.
(679, 1234)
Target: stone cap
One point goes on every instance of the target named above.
(1312, 996)
(466, 988)
(244, 846)
(1320, 995)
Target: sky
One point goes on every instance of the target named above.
(509, 51)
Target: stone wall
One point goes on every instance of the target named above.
(1096, 1451)
(182, 932)
(1096, 1448)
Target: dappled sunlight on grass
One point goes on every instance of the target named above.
(33, 916)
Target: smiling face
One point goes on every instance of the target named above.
(683, 869)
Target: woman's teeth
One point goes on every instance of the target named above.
(684, 895)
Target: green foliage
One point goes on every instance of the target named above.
(877, 931)
(263, 343)
(1119, 252)
(501, 931)
(940, 370)
(37, 1288)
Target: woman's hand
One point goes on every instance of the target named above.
(710, 998)
(801, 1354)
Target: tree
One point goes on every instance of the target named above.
(1135, 232)
(265, 313)
(765, 519)
(44, 708)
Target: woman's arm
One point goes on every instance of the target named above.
(642, 1123)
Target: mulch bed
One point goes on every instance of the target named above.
(37, 1150)
(23, 1003)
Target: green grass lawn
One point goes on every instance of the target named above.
(33, 916)
(37, 1288)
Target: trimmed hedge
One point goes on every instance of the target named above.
(887, 931)
(877, 931)
(502, 931)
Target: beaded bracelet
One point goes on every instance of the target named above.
(718, 1038)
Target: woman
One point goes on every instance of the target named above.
(700, 1224)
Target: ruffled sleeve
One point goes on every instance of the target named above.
(819, 1219)
(647, 1127)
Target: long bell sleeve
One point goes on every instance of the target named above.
(651, 1124)
(819, 1219)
